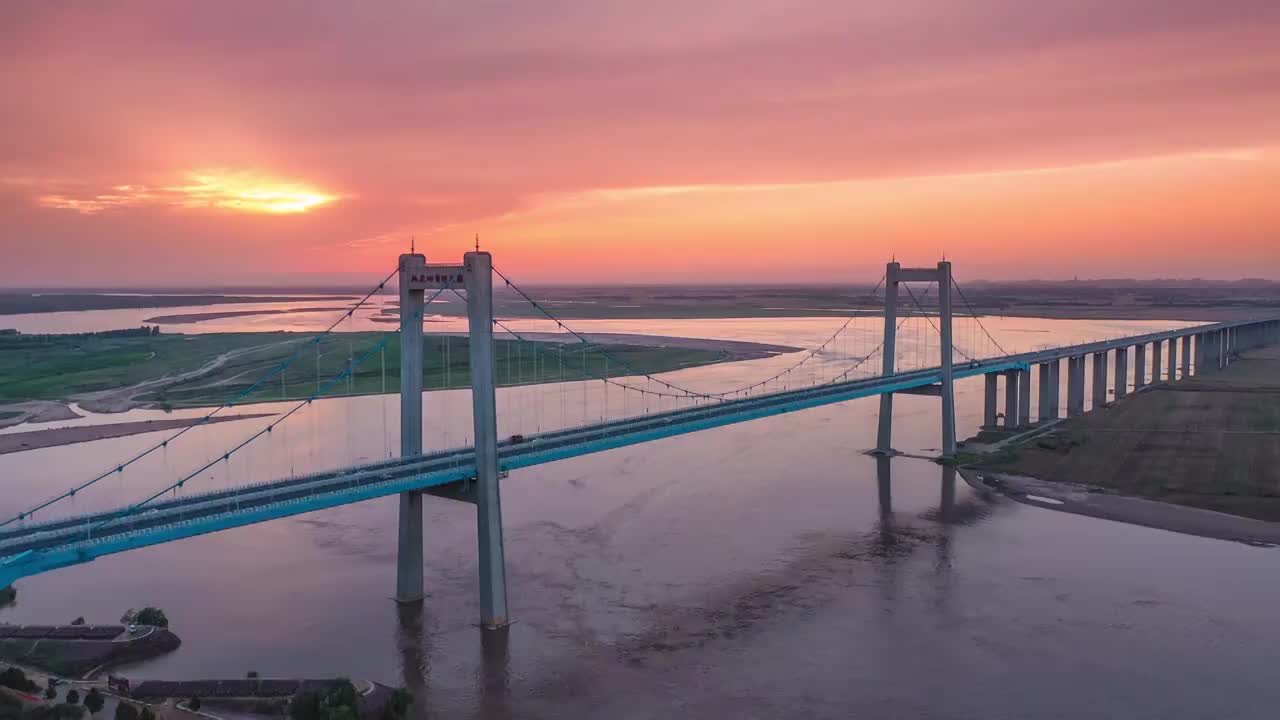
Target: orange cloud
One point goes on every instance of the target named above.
(239, 191)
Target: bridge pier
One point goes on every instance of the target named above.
(1044, 377)
(478, 271)
(1055, 387)
(1122, 372)
(1075, 386)
(948, 357)
(1099, 379)
(1156, 360)
(409, 582)
(884, 432)
(1010, 399)
(1186, 356)
(1024, 398)
(989, 395)
(1139, 366)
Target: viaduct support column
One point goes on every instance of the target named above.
(1122, 372)
(478, 274)
(1024, 398)
(884, 434)
(409, 587)
(1186, 356)
(1055, 388)
(948, 356)
(1139, 366)
(1156, 360)
(1044, 377)
(1075, 386)
(1010, 399)
(1173, 360)
(1099, 379)
(989, 400)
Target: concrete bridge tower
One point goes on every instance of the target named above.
(475, 275)
(895, 275)
(409, 587)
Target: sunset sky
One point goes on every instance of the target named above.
(661, 141)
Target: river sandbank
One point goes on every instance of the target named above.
(54, 437)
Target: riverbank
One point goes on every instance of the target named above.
(81, 650)
(1210, 443)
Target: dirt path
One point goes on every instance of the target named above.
(122, 399)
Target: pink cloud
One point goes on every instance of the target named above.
(439, 117)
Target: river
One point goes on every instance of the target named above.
(765, 569)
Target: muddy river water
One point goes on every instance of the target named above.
(766, 569)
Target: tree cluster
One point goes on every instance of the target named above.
(125, 711)
(11, 709)
(153, 616)
(340, 702)
(18, 680)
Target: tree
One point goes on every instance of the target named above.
(152, 616)
(125, 711)
(147, 714)
(397, 705)
(193, 704)
(253, 675)
(73, 697)
(78, 621)
(16, 679)
(336, 702)
(146, 616)
(93, 701)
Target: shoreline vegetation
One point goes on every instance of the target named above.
(1196, 456)
(45, 378)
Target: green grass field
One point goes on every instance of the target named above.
(59, 367)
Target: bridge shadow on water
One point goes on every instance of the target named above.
(664, 665)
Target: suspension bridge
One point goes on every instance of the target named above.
(920, 347)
